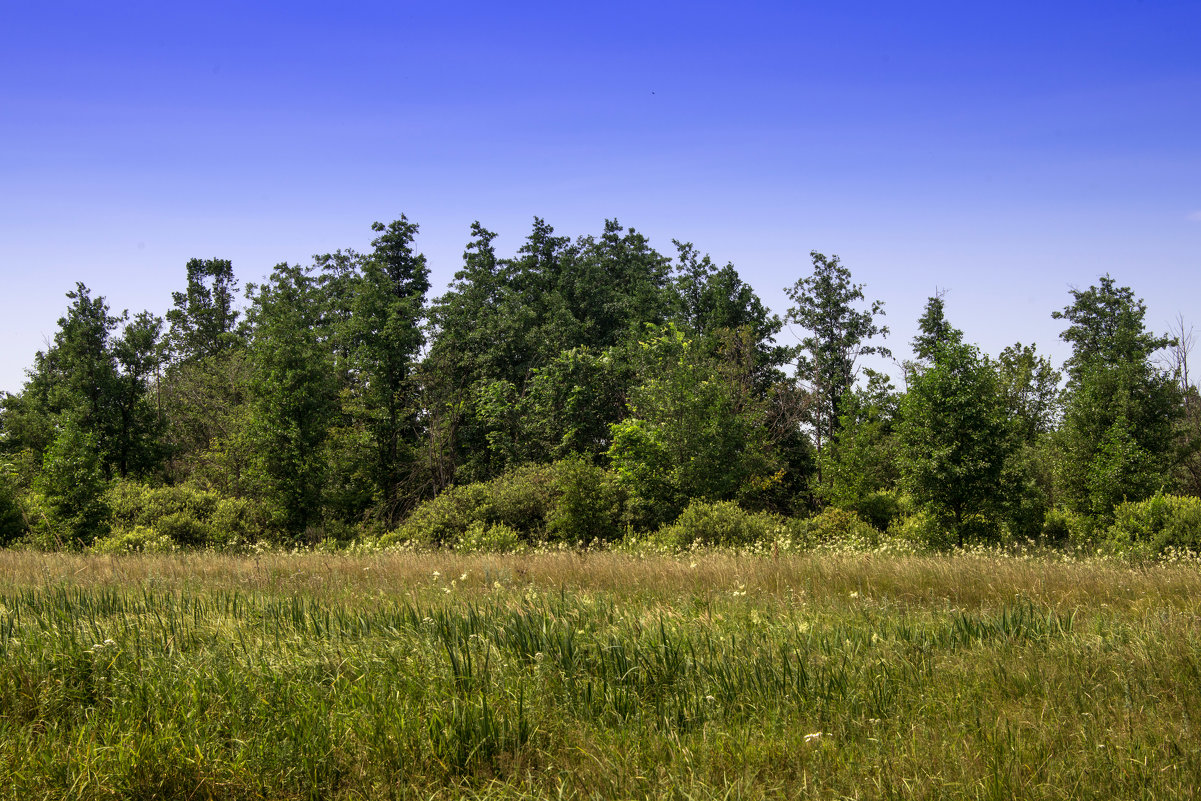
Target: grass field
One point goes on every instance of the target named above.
(597, 675)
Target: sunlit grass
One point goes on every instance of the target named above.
(611, 675)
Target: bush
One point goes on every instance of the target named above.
(923, 530)
(12, 522)
(443, 519)
(878, 509)
(835, 527)
(190, 516)
(718, 523)
(496, 538)
(139, 539)
(587, 504)
(1064, 527)
(1157, 524)
(569, 500)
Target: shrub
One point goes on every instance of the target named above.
(878, 509)
(1157, 524)
(1065, 527)
(139, 539)
(587, 504)
(12, 522)
(923, 530)
(189, 515)
(443, 519)
(568, 500)
(718, 523)
(237, 521)
(832, 527)
(185, 529)
(495, 538)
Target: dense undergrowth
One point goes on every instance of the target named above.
(573, 503)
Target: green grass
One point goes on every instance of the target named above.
(597, 676)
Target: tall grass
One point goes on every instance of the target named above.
(597, 675)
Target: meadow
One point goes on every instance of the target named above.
(577, 674)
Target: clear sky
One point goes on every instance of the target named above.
(1004, 152)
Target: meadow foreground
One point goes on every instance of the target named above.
(596, 675)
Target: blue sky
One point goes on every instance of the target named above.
(1002, 152)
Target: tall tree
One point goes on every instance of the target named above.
(386, 320)
(203, 321)
(294, 393)
(825, 305)
(955, 440)
(102, 383)
(1117, 437)
(933, 329)
(690, 432)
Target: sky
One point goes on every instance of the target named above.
(1001, 152)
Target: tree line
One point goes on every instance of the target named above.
(338, 397)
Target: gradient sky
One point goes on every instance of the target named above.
(1005, 152)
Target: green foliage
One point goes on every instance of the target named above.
(139, 539)
(12, 521)
(719, 524)
(484, 537)
(203, 320)
(73, 486)
(188, 515)
(385, 337)
(100, 381)
(925, 530)
(1064, 527)
(587, 504)
(294, 395)
(825, 305)
(1157, 525)
(692, 433)
(1117, 437)
(956, 441)
(934, 331)
(570, 404)
(863, 461)
(1117, 440)
(833, 526)
(572, 501)
(878, 509)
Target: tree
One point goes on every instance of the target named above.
(102, 384)
(825, 305)
(388, 306)
(955, 440)
(712, 303)
(690, 433)
(203, 320)
(933, 329)
(864, 459)
(1117, 438)
(73, 483)
(137, 446)
(294, 393)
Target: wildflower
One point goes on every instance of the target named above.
(814, 737)
(463, 577)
